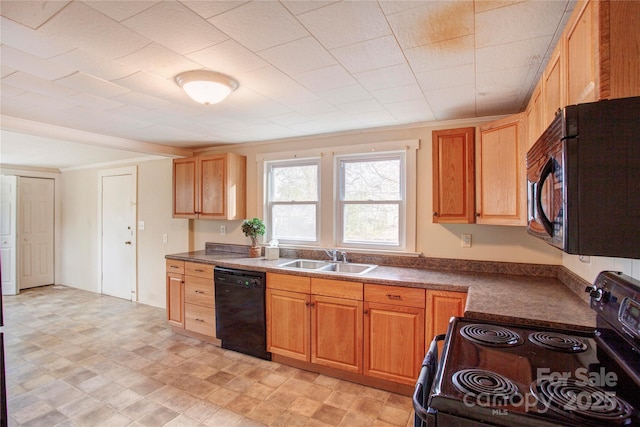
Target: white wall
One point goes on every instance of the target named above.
(79, 228)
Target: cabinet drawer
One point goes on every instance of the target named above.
(197, 269)
(199, 291)
(397, 295)
(200, 319)
(175, 266)
(286, 282)
(337, 288)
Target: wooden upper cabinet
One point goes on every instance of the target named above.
(453, 175)
(601, 51)
(553, 90)
(210, 187)
(501, 197)
(534, 113)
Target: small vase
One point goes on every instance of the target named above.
(255, 251)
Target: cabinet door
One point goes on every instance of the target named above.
(441, 306)
(213, 183)
(453, 175)
(535, 125)
(553, 90)
(175, 299)
(185, 185)
(501, 197)
(581, 55)
(288, 324)
(336, 333)
(393, 342)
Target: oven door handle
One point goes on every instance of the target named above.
(425, 379)
(547, 170)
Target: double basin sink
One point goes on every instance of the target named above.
(325, 266)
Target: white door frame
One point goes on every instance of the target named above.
(133, 171)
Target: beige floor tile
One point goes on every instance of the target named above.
(70, 367)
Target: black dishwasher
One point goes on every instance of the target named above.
(240, 311)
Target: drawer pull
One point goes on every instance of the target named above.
(173, 266)
(198, 270)
(199, 320)
(392, 296)
(198, 292)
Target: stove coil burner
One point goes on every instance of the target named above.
(558, 342)
(492, 335)
(583, 401)
(486, 386)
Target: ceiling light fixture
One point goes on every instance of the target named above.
(206, 87)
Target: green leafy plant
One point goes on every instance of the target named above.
(253, 228)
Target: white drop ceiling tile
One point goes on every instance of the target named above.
(298, 56)
(297, 7)
(8, 91)
(345, 23)
(120, 10)
(453, 102)
(92, 101)
(175, 26)
(168, 135)
(43, 103)
(150, 84)
(228, 57)
(502, 83)
(366, 106)
(375, 119)
(398, 94)
(384, 78)
(345, 95)
(207, 9)
(417, 110)
(81, 82)
(32, 64)
(446, 77)
(391, 7)
(5, 71)
(31, 41)
(483, 6)
(511, 55)
(433, 22)
(158, 60)
(96, 65)
(141, 100)
(31, 13)
(37, 85)
(313, 108)
(370, 54)
(84, 27)
(495, 108)
(518, 22)
(288, 119)
(444, 54)
(322, 79)
(276, 85)
(260, 25)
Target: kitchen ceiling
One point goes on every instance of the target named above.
(107, 68)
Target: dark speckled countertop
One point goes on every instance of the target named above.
(521, 299)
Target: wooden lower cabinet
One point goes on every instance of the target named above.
(336, 333)
(191, 299)
(393, 332)
(440, 307)
(288, 324)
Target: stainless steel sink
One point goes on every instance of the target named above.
(349, 268)
(306, 264)
(329, 267)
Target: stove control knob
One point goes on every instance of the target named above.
(597, 294)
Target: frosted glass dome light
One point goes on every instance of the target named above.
(206, 87)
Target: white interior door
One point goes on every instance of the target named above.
(118, 235)
(35, 232)
(8, 200)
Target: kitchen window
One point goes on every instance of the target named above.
(371, 202)
(293, 202)
(351, 196)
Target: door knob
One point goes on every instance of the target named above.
(128, 242)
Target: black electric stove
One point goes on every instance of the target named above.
(493, 374)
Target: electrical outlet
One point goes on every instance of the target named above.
(466, 240)
(165, 239)
(223, 230)
(141, 225)
(585, 258)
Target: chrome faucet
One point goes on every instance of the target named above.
(343, 254)
(332, 253)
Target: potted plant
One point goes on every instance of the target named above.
(253, 228)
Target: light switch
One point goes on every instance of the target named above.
(165, 239)
(140, 225)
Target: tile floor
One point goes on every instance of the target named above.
(75, 358)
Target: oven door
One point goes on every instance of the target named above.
(545, 181)
(423, 417)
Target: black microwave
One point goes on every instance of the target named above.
(583, 177)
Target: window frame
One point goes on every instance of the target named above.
(340, 202)
(269, 203)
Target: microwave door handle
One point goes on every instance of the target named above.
(547, 170)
